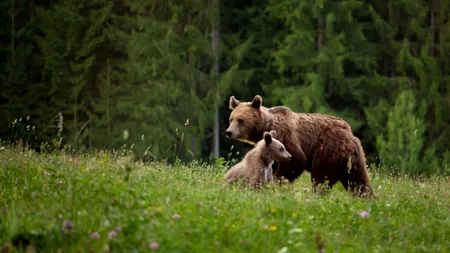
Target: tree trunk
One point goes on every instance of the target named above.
(75, 122)
(433, 26)
(215, 48)
(320, 31)
(108, 116)
(12, 34)
(90, 134)
(431, 114)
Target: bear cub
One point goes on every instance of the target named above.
(256, 167)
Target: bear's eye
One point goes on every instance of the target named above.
(281, 149)
(240, 120)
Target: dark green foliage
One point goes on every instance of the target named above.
(322, 57)
(109, 74)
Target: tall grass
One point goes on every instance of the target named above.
(106, 202)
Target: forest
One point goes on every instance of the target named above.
(155, 77)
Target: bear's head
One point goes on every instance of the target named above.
(246, 120)
(274, 148)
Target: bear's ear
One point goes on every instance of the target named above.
(273, 134)
(233, 102)
(257, 102)
(267, 137)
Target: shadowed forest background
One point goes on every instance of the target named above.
(156, 76)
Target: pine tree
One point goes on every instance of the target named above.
(17, 64)
(171, 94)
(405, 134)
(408, 48)
(321, 57)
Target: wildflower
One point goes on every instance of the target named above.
(68, 224)
(294, 214)
(112, 234)
(118, 228)
(95, 235)
(121, 166)
(364, 214)
(307, 200)
(200, 203)
(46, 174)
(388, 205)
(60, 182)
(272, 228)
(154, 245)
(176, 216)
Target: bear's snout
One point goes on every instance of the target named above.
(229, 133)
(288, 156)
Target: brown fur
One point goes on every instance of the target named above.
(298, 132)
(256, 167)
(342, 150)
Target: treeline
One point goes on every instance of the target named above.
(156, 76)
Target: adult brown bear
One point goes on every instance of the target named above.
(299, 132)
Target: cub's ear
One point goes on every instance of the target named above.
(257, 102)
(273, 134)
(267, 137)
(233, 102)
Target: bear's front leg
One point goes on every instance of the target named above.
(292, 169)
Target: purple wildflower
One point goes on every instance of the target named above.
(95, 235)
(364, 214)
(121, 166)
(154, 245)
(68, 225)
(112, 234)
(200, 203)
(176, 216)
(46, 174)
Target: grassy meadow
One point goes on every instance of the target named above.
(105, 202)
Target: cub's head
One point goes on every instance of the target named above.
(275, 149)
(246, 119)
